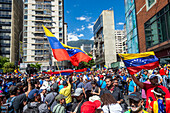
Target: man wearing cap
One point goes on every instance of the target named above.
(148, 87)
(79, 100)
(135, 102)
(35, 101)
(50, 97)
(59, 108)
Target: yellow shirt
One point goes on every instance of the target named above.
(67, 92)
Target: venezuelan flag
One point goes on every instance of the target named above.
(136, 62)
(17, 70)
(105, 67)
(77, 55)
(59, 52)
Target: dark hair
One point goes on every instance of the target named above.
(159, 90)
(98, 110)
(108, 99)
(109, 77)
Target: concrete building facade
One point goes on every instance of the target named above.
(49, 13)
(104, 39)
(11, 25)
(86, 47)
(120, 40)
(153, 19)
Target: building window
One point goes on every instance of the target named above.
(150, 3)
(157, 28)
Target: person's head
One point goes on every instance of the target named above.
(115, 82)
(13, 90)
(34, 95)
(60, 99)
(78, 94)
(153, 79)
(108, 81)
(101, 77)
(145, 72)
(93, 83)
(108, 99)
(135, 102)
(158, 92)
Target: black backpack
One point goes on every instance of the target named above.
(34, 109)
(8, 106)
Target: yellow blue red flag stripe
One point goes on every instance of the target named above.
(136, 62)
(59, 52)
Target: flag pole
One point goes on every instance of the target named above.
(58, 68)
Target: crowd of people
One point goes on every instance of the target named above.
(100, 91)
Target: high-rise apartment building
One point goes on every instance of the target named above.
(104, 39)
(49, 13)
(11, 26)
(119, 39)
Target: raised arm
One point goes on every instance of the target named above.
(140, 84)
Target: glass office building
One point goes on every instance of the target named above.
(131, 27)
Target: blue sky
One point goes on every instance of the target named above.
(80, 16)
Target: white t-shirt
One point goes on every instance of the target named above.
(114, 108)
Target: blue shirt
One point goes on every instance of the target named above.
(80, 85)
(100, 82)
(131, 86)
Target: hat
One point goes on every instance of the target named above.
(135, 96)
(60, 96)
(78, 92)
(101, 76)
(104, 74)
(152, 76)
(90, 107)
(33, 93)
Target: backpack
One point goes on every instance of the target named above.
(35, 109)
(8, 106)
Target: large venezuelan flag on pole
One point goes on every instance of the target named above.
(63, 52)
(77, 55)
(136, 62)
(59, 52)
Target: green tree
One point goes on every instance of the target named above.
(3, 60)
(90, 64)
(37, 66)
(8, 67)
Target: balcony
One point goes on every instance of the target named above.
(6, 1)
(9, 23)
(5, 8)
(5, 45)
(5, 37)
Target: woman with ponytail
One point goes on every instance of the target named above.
(158, 106)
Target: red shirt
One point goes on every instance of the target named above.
(149, 87)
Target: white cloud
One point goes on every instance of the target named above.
(92, 38)
(74, 36)
(68, 12)
(87, 19)
(90, 26)
(120, 23)
(81, 35)
(81, 29)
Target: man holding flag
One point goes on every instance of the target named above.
(147, 60)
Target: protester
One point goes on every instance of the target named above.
(35, 103)
(135, 102)
(60, 106)
(148, 87)
(79, 100)
(159, 105)
(110, 104)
